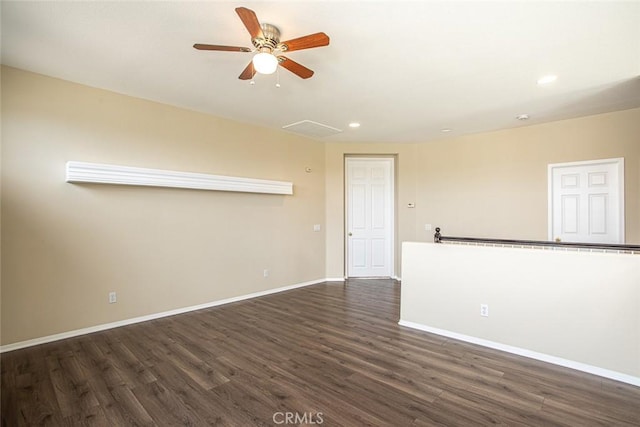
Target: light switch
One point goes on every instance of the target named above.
(427, 227)
(317, 227)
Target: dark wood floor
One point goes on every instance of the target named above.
(330, 354)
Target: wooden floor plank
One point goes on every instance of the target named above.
(334, 349)
(68, 401)
(165, 407)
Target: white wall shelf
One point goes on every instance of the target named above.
(97, 173)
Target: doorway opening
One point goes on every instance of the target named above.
(369, 216)
(586, 201)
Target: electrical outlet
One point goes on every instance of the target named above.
(112, 297)
(484, 310)
(427, 227)
(317, 227)
(265, 273)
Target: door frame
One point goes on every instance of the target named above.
(392, 197)
(619, 161)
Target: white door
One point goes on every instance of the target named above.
(369, 217)
(586, 201)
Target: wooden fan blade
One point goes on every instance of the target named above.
(248, 72)
(201, 46)
(250, 20)
(305, 42)
(297, 69)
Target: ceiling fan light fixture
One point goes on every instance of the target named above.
(265, 63)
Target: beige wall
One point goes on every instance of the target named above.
(495, 184)
(583, 307)
(491, 184)
(65, 246)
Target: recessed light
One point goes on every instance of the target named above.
(354, 125)
(445, 130)
(545, 80)
(522, 117)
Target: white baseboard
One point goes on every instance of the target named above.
(606, 373)
(342, 279)
(105, 326)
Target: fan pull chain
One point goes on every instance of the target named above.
(278, 77)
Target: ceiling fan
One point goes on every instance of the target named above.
(266, 41)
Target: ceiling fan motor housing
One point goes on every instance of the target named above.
(271, 37)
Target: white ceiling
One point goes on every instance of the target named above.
(404, 70)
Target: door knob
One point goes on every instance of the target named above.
(350, 234)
